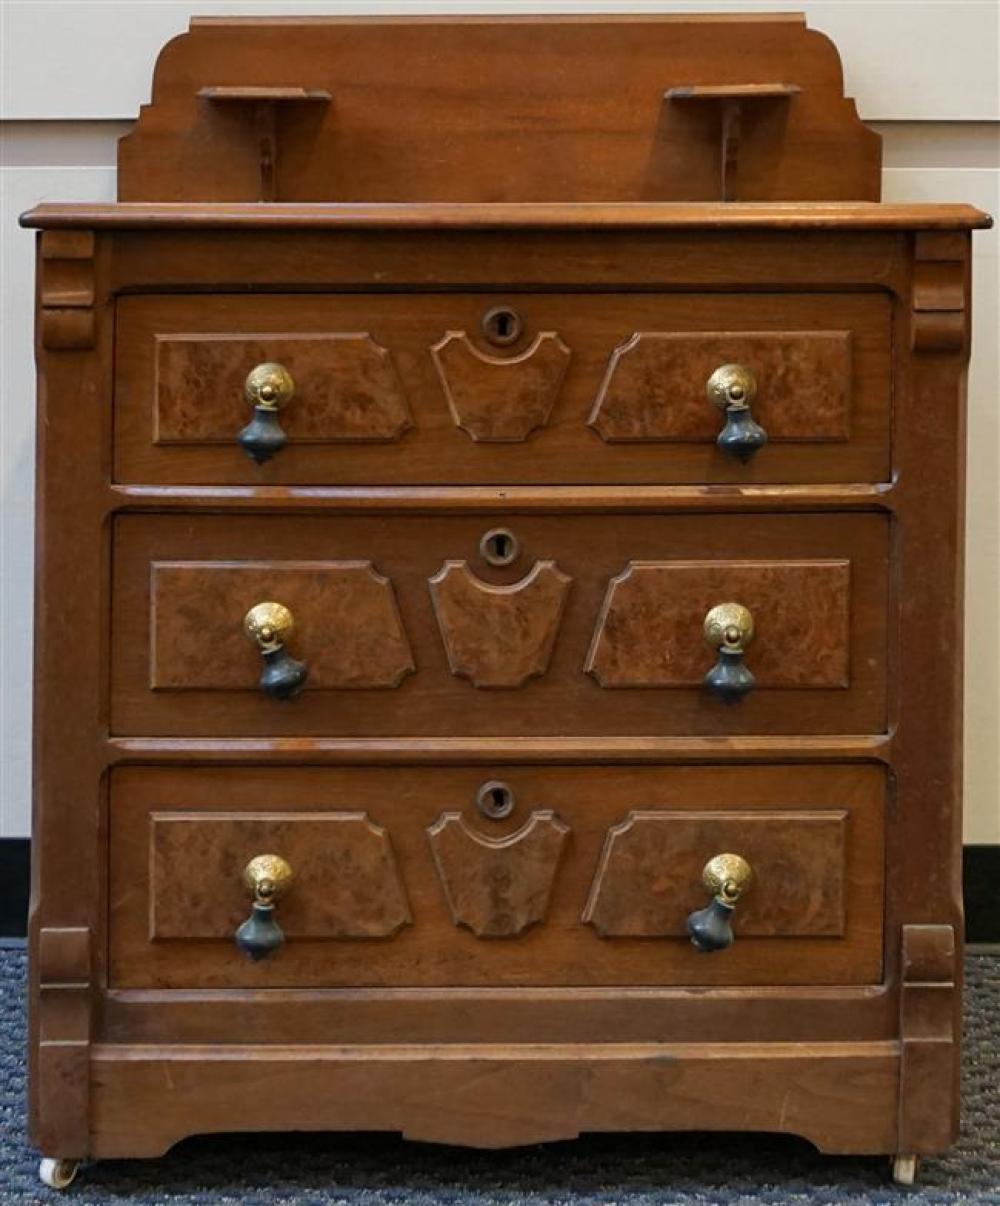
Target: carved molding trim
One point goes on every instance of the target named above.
(928, 1029)
(940, 289)
(500, 399)
(497, 887)
(66, 290)
(499, 636)
(64, 1022)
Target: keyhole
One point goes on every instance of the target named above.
(499, 546)
(501, 325)
(495, 800)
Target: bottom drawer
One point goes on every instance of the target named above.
(512, 876)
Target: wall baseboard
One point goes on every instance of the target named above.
(981, 873)
(981, 863)
(15, 859)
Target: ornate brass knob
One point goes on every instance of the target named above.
(268, 877)
(729, 629)
(269, 626)
(727, 877)
(268, 387)
(732, 388)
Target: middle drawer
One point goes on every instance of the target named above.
(411, 625)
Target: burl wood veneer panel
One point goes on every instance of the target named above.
(345, 614)
(801, 611)
(599, 387)
(797, 859)
(501, 659)
(804, 379)
(499, 636)
(498, 887)
(501, 399)
(346, 387)
(346, 881)
(179, 839)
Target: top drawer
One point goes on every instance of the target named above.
(452, 388)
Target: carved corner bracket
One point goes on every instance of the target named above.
(67, 290)
(940, 320)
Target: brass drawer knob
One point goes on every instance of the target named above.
(727, 877)
(268, 877)
(269, 626)
(729, 629)
(268, 387)
(732, 388)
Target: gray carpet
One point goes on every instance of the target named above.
(598, 1170)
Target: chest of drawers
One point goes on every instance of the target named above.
(499, 599)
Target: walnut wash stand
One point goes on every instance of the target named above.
(499, 599)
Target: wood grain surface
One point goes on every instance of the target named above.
(818, 215)
(827, 411)
(797, 860)
(650, 389)
(345, 880)
(441, 111)
(802, 692)
(346, 387)
(345, 614)
(227, 813)
(449, 974)
(500, 399)
(498, 887)
(801, 613)
(840, 1096)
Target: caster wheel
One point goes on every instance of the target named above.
(57, 1174)
(904, 1169)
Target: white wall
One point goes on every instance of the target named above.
(74, 72)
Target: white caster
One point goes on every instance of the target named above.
(904, 1169)
(57, 1174)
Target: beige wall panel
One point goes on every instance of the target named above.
(20, 188)
(982, 580)
(904, 59)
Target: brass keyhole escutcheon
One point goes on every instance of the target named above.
(495, 800)
(502, 326)
(499, 546)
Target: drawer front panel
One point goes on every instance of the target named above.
(594, 628)
(583, 387)
(585, 875)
